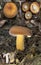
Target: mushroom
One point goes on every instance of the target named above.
(20, 32)
(7, 57)
(28, 15)
(12, 57)
(35, 7)
(25, 6)
(10, 10)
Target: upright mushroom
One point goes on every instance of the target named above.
(20, 32)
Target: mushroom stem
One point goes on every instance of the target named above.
(20, 42)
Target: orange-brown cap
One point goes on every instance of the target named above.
(19, 30)
(10, 10)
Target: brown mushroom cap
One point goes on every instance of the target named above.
(10, 10)
(19, 30)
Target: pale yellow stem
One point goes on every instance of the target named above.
(20, 42)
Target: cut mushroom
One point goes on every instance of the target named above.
(25, 6)
(20, 32)
(28, 15)
(35, 8)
